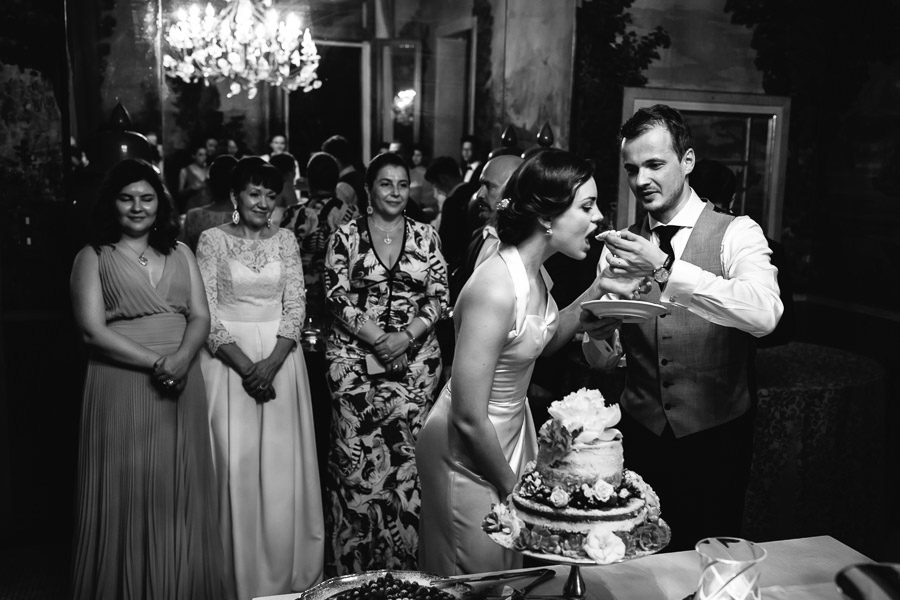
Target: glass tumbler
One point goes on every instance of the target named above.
(730, 569)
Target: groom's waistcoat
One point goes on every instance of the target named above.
(681, 368)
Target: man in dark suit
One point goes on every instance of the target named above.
(470, 162)
(453, 195)
(687, 407)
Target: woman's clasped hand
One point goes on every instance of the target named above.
(391, 349)
(257, 380)
(170, 371)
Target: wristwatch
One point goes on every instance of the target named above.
(661, 274)
(414, 344)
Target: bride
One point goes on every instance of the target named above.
(479, 435)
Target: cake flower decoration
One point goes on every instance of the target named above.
(634, 480)
(503, 523)
(600, 491)
(586, 410)
(603, 546)
(559, 497)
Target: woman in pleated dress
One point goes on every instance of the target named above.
(145, 501)
(260, 411)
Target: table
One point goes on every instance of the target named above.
(819, 447)
(796, 569)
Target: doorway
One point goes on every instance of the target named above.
(454, 94)
(340, 106)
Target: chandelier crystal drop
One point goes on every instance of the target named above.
(247, 43)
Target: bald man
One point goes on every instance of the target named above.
(496, 173)
(482, 242)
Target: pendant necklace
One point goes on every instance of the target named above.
(387, 232)
(142, 260)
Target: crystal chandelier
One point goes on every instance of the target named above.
(247, 42)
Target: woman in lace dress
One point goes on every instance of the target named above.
(259, 402)
(479, 436)
(386, 285)
(146, 502)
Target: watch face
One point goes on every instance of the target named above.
(661, 275)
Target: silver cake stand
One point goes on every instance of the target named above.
(574, 586)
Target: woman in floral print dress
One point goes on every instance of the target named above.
(386, 286)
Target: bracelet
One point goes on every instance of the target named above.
(414, 344)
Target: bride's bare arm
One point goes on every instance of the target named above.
(486, 313)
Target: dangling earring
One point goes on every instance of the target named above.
(235, 216)
(269, 223)
(549, 231)
(369, 210)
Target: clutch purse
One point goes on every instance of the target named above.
(374, 366)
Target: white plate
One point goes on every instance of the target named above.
(630, 311)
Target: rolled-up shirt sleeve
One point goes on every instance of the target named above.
(746, 298)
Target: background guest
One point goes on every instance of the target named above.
(259, 402)
(233, 148)
(480, 435)
(290, 193)
(277, 145)
(484, 241)
(386, 284)
(220, 209)
(211, 143)
(420, 188)
(687, 408)
(470, 158)
(146, 502)
(322, 172)
(192, 181)
(351, 187)
(452, 195)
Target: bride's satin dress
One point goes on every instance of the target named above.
(455, 497)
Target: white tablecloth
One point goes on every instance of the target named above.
(797, 569)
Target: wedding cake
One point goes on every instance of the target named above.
(577, 500)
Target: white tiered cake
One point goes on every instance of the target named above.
(576, 500)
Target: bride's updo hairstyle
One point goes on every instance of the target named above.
(543, 187)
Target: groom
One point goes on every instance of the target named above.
(687, 407)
